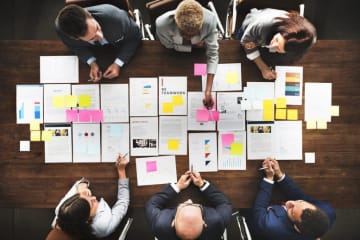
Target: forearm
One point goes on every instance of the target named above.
(262, 66)
(209, 82)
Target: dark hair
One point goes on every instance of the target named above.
(314, 222)
(74, 217)
(71, 20)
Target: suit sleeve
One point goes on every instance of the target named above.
(212, 47)
(262, 201)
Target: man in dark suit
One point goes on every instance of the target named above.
(300, 218)
(82, 28)
(188, 220)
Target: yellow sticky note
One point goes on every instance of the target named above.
(34, 125)
(35, 136)
(168, 107)
(173, 144)
(281, 102)
(334, 111)
(46, 135)
(280, 114)
(236, 149)
(58, 101)
(231, 77)
(84, 100)
(321, 124)
(70, 101)
(268, 110)
(177, 100)
(292, 114)
(311, 124)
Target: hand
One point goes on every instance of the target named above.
(95, 73)
(83, 189)
(112, 71)
(121, 163)
(208, 100)
(197, 179)
(269, 171)
(184, 181)
(275, 165)
(268, 74)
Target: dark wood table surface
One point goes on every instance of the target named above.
(26, 181)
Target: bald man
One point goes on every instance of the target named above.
(188, 220)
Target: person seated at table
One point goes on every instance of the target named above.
(82, 28)
(285, 34)
(80, 215)
(191, 26)
(188, 220)
(300, 218)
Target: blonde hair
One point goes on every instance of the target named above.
(189, 16)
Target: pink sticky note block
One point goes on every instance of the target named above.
(199, 69)
(213, 115)
(227, 139)
(71, 115)
(202, 115)
(97, 116)
(84, 115)
(151, 166)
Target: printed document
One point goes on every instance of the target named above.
(289, 83)
(29, 103)
(260, 140)
(173, 135)
(87, 95)
(115, 102)
(144, 136)
(86, 142)
(231, 115)
(143, 96)
(232, 150)
(54, 102)
(203, 152)
(59, 149)
(227, 78)
(172, 95)
(318, 101)
(288, 140)
(59, 69)
(195, 102)
(114, 141)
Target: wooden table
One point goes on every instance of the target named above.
(26, 181)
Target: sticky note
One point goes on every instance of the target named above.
(70, 101)
(292, 114)
(173, 144)
(46, 135)
(309, 157)
(84, 115)
(97, 116)
(281, 102)
(84, 100)
(280, 114)
(231, 77)
(268, 110)
(213, 115)
(311, 124)
(167, 107)
(202, 115)
(200, 69)
(35, 136)
(334, 111)
(151, 166)
(236, 149)
(227, 139)
(321, 124)
(34, 125)
(24, 146)
(177, 100)
(71, 115)
(58, 101)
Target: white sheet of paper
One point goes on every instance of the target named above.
(203, 152)
(24, 146)
(318, 101)
(195, 102)
(221, 83)
(170, 87)
(115, 102)
(52, 114)
(309, 157)
(289, 84)
(173, 135)
(156, 170)
(29, 103)
(144, 136)
(255, 93)
(114, 141)
(86, 142)
(228, 159)
(88, 89)
(59, 149)
(231, 115)
(260, 140)
(59, 69)
(288, 140)
(143, 96)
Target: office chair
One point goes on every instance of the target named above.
(158, 7)
(122, 4)
(238, 9)
(57, 234)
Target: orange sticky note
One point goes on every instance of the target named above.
(173, 144)
(292, 114)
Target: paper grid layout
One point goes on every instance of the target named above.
(172, 95)
(232, 150)
(173, 135)
(155, 170)
(288, 83)
(29, 103)
(231, 115)
(114, 141)
(144, 136)
(143, 96)
(227, 78)
(59, 149)
(59, 69)
(195, 102)
(203, 152)
(53, 114)
(86, 142)
(115, 102)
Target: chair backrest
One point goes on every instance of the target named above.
(57, 234)
(122, 4)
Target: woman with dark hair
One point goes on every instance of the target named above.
(81, 215)
(285, 34)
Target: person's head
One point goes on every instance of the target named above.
(188, 221)
(307, 218)
(292, 34)
(189, 17)
(76, 22)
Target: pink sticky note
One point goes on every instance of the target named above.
(227, 139)
(199, 69)
(213, 115)
(84, 115)
(97, 115)
(151, 166)
(71, 115)
(202, 115)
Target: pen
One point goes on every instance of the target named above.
(124, 155)
(262, 168)
(191, 168)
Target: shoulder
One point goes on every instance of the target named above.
(209, 19)
(106, 10)
(165, 20)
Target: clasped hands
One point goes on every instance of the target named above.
(111, 72)
(272, 169)
(188, 177)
